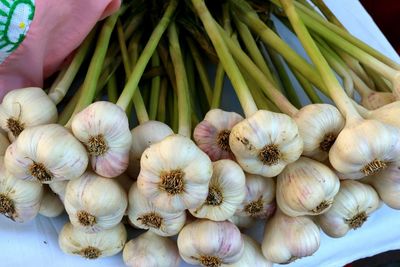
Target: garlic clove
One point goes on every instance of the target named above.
(19, 200)
(252, 255)
(92, 246)
(226, 192)
(46, 153)
(144, 215)
(175, 174)
(265, 143)
(143, 136)
(104, 129)
(59, 188)
(350, 209)
(51, 205)
(26, 107)
(319, 125)
(375, 100)
(260, 197)
(365, 147)
(151, 250)
(306, 187)
(212, 134)
(210, 243)
(287, 239)
(4, 143)
(94, 203)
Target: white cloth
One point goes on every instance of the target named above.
(36, 243)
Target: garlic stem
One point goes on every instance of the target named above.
(182, 83)
(112, 93)
(58, 91)
(238, 82)
(155, 88)
(307, 86)
(161, 111)
(134, 78)
(327, 12)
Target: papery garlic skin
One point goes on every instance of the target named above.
(365, 147)
(104, 129)
(252, 255)
(19, 200)
(4, 143)
(212, 134)
(26, 107)
(143, 136)
(51, 205)
(59, 188)
(174, 174)
(46, 153)
(319, 125)
(260, 197)
(210, 243)
(265, 143)
(350, 209)
(144, 215)
(306, 187)
(94, 245)
(151, 250)
(289, 238)
(375, 100)
(95, 203)
(226, 192)
(387, 185)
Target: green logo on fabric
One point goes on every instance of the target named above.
(15, 19)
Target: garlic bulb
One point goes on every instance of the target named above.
(104, 129)
(94, 203)
(265, 143)
(319, 125)
(175, 174)
(151, 250)
(260, 197)
(252, 255)
(59, 188)
(387, 185)
(19, 200)
(306, 187)
(374, 100)
(46, 153)
(210, 243)
(26, 107)
(386, 114)
(51, 205)
(226, 192)
(143, 136)
(212, 134)
(242, 221)
(92, 246)
(289, 238)
(350, 209)
(144, 215)
(365, 147)
(4, 143)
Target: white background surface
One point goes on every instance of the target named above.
(36, 243)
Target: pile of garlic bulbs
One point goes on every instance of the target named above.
(193, 187)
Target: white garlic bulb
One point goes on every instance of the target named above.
(46, 153)
(26, 107)
(289, 238)
(4, 143)
(175, 174)
(306, 187)
(51, 205)
(374, 100)
(144, 215)
(242, 221)
(387, 185)
(19, 200)
(226, 192)
(386, 114)
(210, 243)
(94, 203)
(319, 125)
(212, 134)
(59, 188)
(265, 143)
(94, 245)
(350, 209)
(104, 129)
(365, 147)
(252, 255)
(260, 197)
(143, 136)
(151, 250)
